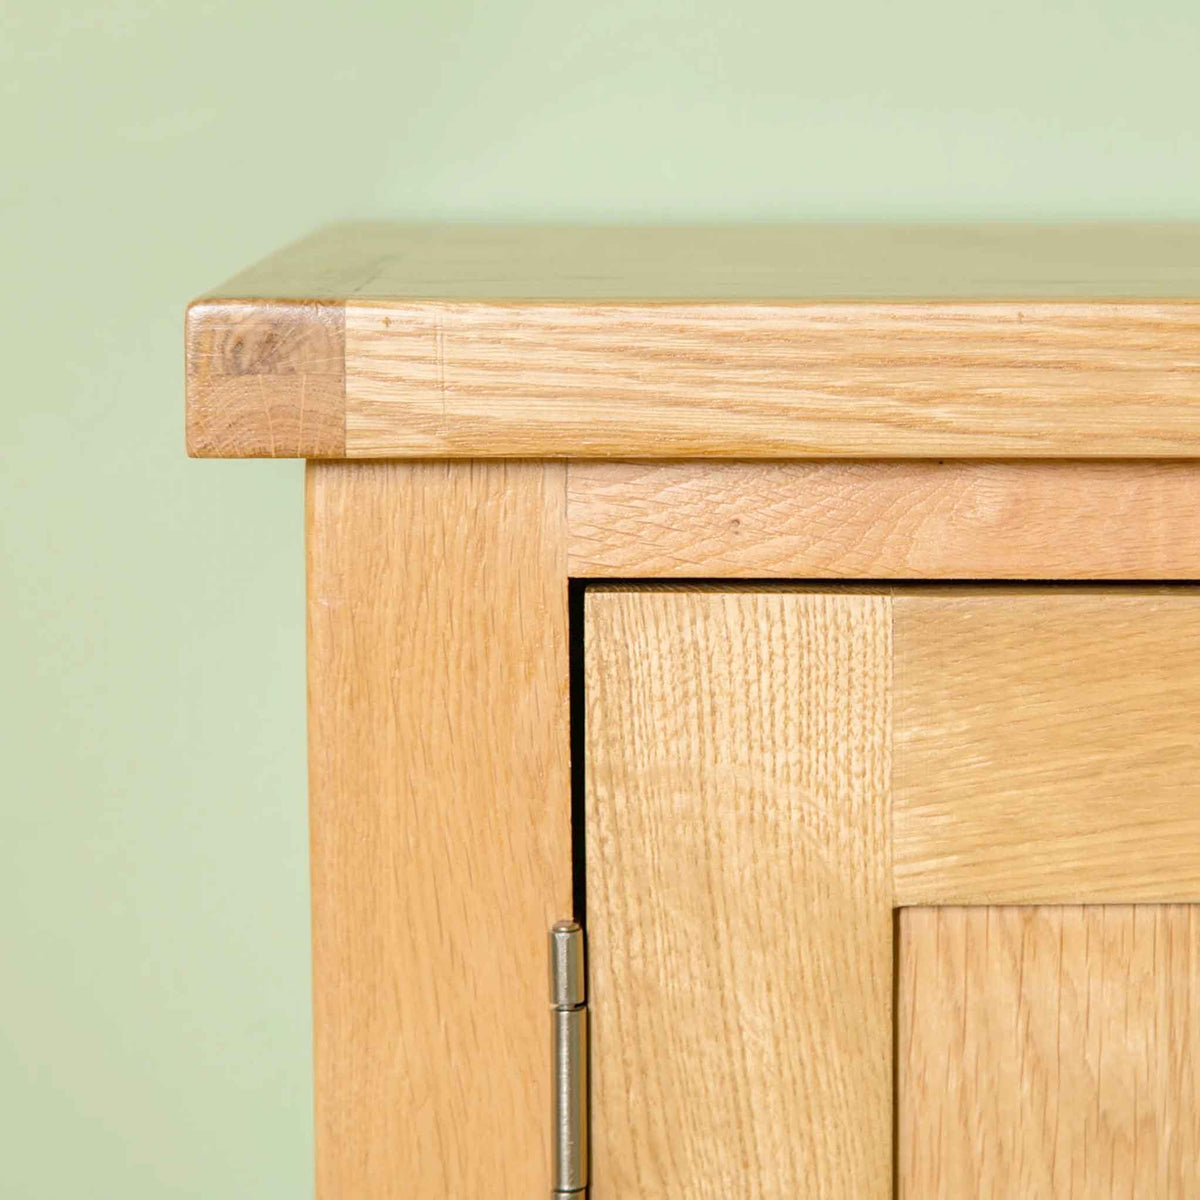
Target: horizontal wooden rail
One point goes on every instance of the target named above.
(901, 520)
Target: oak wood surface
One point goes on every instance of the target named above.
(800, 261)
(1045, 745)
(884, 520)
(1049, 1052)
(755, 342)
(266, 379)
(440, 810)
(738, 895)
(773, 381)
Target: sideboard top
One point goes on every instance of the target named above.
(756, 341)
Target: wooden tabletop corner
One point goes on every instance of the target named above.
(384, 340)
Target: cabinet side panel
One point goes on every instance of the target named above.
(739, 894)
(1049, 1051)
(440, 810)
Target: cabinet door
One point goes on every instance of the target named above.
(861, 871)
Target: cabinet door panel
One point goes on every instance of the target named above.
(749, 760)
(1049, 1052)
(738, 894)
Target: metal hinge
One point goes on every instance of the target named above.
(568, 1012)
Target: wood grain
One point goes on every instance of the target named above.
(739, 898)
(1049, 1052)
(884, 520)
(772, 381)
(1045, 745)
(806, 261)
(440, 809)
(804, 341)
(266, 379)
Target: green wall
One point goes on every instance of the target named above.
(154, 1007)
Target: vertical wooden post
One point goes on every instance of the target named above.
(440, 811)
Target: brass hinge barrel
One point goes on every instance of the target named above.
(568, 998)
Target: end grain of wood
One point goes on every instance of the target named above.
(266, 379)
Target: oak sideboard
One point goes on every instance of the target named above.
(802, 620)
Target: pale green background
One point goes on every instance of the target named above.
(154, 987)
